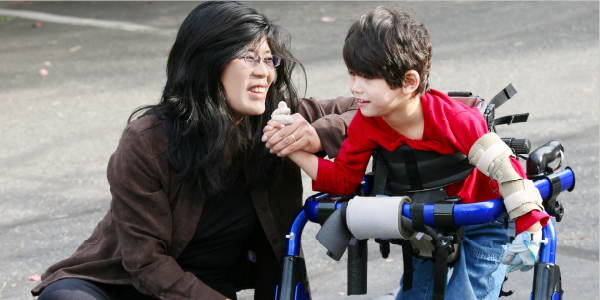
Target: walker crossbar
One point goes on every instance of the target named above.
(463, 214)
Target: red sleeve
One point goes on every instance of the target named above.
(527, 220)
(343, 175)
(465, 129)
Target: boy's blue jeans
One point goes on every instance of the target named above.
(478, 274)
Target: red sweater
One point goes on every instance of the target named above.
(450, 126)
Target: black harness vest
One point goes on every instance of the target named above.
(422, 176)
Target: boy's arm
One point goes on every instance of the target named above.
(307, 161)
(318, 125)
(470, 135)
(522, 199)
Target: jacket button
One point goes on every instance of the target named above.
(162, 295)
(261, 211)
(275, 241)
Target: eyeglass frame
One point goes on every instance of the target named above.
(261, 59)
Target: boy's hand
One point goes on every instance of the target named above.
(299, 135)
(522, 253)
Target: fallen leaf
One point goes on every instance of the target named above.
(9, 100)
(37, 24)
(47, 63)
(327, 19)
(6, 18)
(34, 277)
(78, 47)
(43, 72)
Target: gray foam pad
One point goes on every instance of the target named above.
(334, 235)
(374, 217)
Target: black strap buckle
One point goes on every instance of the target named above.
(552, 205)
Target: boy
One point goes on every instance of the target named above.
(388, 56)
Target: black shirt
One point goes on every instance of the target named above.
(224, 227)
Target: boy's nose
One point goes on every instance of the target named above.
(355, 87)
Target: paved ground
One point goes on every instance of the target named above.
(57, 131)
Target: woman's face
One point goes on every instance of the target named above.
(245, 86)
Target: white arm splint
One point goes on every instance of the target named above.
(491, 156)
(282, 114)
(377, 217)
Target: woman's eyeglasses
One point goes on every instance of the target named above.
(254, 59)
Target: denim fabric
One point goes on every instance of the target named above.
(477, 275)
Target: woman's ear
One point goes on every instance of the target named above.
(410, 82)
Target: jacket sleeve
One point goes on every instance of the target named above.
(141, 211)
(330, 118)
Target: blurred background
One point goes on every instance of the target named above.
(70, 77)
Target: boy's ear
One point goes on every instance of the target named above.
(410, 82)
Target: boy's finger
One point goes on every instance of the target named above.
(268, 134)
(267, 128)
(275, 124)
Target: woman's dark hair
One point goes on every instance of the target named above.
(205, 146)
(386, 44)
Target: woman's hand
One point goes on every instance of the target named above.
(299, 135)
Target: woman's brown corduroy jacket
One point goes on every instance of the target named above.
(148, 224)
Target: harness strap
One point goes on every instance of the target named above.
(407, 252)
(418, 219)
(441, 271)
(380, 178)
(503, 95)
(516, 118)
(412, 169)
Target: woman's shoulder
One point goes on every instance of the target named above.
(146, 130)
(144, 123)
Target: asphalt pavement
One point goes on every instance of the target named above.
(70, 77)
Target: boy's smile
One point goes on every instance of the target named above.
(361, 102)
(374, 97)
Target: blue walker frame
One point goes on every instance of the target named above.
(545, 271)
(547, 283)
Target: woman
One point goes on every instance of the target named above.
(199, 207)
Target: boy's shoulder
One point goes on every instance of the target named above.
(440, 103)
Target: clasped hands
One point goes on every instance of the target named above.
(285, 139)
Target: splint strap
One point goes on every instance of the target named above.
(488, 156)
(529, 194)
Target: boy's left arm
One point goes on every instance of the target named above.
(496, 160)
(491, 156)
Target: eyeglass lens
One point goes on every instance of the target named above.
(253, 60)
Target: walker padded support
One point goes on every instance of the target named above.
(334, 235)
(375, 217)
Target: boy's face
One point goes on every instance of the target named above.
(375, 98)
